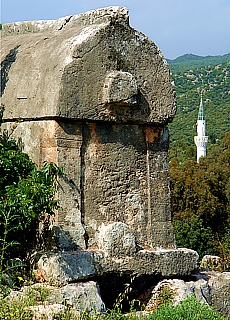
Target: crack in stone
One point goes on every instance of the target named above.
(65, 22)
(5, 67)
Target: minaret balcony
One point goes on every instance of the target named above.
(201, 141)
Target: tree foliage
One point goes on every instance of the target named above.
(200, 200)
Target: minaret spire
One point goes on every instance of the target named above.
(201, 108)
(201, 140)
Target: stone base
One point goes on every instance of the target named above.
(66, 267)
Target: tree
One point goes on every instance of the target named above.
(200, 195)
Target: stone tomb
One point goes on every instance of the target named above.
(92, 94)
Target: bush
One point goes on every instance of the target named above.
(27, 195)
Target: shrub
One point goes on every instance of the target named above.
(27, 194)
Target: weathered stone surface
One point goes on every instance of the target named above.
(59, 142)
(219, 284)
(116, 239)
(179, 290)
(212, 288)
(160, 262)
(62, 268)
(53, 300)
(120, 88)
(102, 15)
(81, 296)
(126, 179)
(67, 267)
(60, 70)
(114, 178)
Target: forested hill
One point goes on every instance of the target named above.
(191, 75)
(191, 61)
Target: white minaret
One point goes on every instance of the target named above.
(201, 140)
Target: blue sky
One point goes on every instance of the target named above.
(177, 26)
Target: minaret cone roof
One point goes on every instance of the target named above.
(201, 109)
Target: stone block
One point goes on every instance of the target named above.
(116, 239)
(62, 268)
(160, 262)
(82, 296)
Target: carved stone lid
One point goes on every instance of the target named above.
(60, 69)
(103, 15)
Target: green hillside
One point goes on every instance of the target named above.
(192, 61)
(215, 81)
